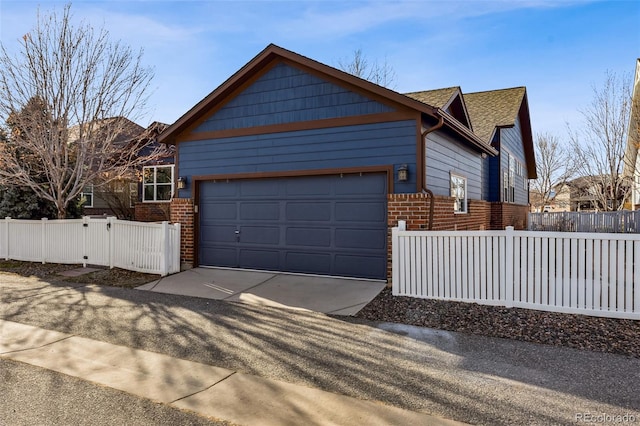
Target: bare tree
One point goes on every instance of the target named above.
(380, 73)
(554, 169)
(65, 95)
(599, 146)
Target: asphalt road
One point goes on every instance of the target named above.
(467, 378)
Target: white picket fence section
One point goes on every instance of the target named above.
(152, 248)
(594, 274)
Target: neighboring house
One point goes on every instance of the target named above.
(292, 165)
(632, 159)
(586, 193)
(144, 192)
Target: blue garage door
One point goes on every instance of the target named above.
(328, 225)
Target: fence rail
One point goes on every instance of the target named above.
(624, 221)
(593, 274)
(137, 246)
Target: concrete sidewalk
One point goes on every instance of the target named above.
(329, 295)
(207, 390)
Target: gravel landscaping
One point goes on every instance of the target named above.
(576, 331)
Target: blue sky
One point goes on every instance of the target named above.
(558, 49)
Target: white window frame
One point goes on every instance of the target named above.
(453, 185)
(155, 183)
(83, 195)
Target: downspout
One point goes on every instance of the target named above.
(425, 190)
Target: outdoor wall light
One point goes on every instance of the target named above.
(403, 173)
(182, 182)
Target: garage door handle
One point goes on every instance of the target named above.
(237, 232)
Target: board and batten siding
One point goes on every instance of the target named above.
(445, 156)
(378, 144)
(511, 140)
(286, 94)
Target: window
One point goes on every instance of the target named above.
(86, 196)
(459, 193)
(157, 183)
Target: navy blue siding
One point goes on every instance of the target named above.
(491, 168)
(511, 140)
(444, 156)
(378, 144)
(286, 95)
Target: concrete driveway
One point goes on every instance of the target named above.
(329, 295)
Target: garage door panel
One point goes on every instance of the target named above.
(316, 237)
(258, 188)
(361, 211)
(259, 259)
(220, 211)
(360, 266)
(219, 189)
(269, 235)
(353, 185)
(219, 233)
(311, 263)
(360, 239)
(305, 187)
(219, 256)
(308, 211)
(260, 211)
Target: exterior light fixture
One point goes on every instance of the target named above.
(403, 173)
(182, 182)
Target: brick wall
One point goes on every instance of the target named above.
(182, 212)
(414, 209)
(152, 212)
(505, 214)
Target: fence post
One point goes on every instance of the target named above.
(176, 247)
(85, 226)
(43, 247)
(111, 240)
(509, 256)
(6, 236)
(164, 248)
(395, 261)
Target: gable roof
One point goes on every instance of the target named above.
(272, 54)
(494, 109)
(448, 99)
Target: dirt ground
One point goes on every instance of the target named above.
(103, 276)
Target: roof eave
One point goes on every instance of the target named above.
(467, 133)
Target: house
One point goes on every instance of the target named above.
(594, 193)
(292, 165)
(501, 119)
(632, 159)
(141, 193)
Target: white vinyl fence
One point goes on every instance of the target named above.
(592, 274)
(152, 248)
(625, 221)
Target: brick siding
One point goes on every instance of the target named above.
(152, 212)
(182, 212)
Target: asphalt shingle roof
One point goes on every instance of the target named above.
(494, 108)
(436, 98)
